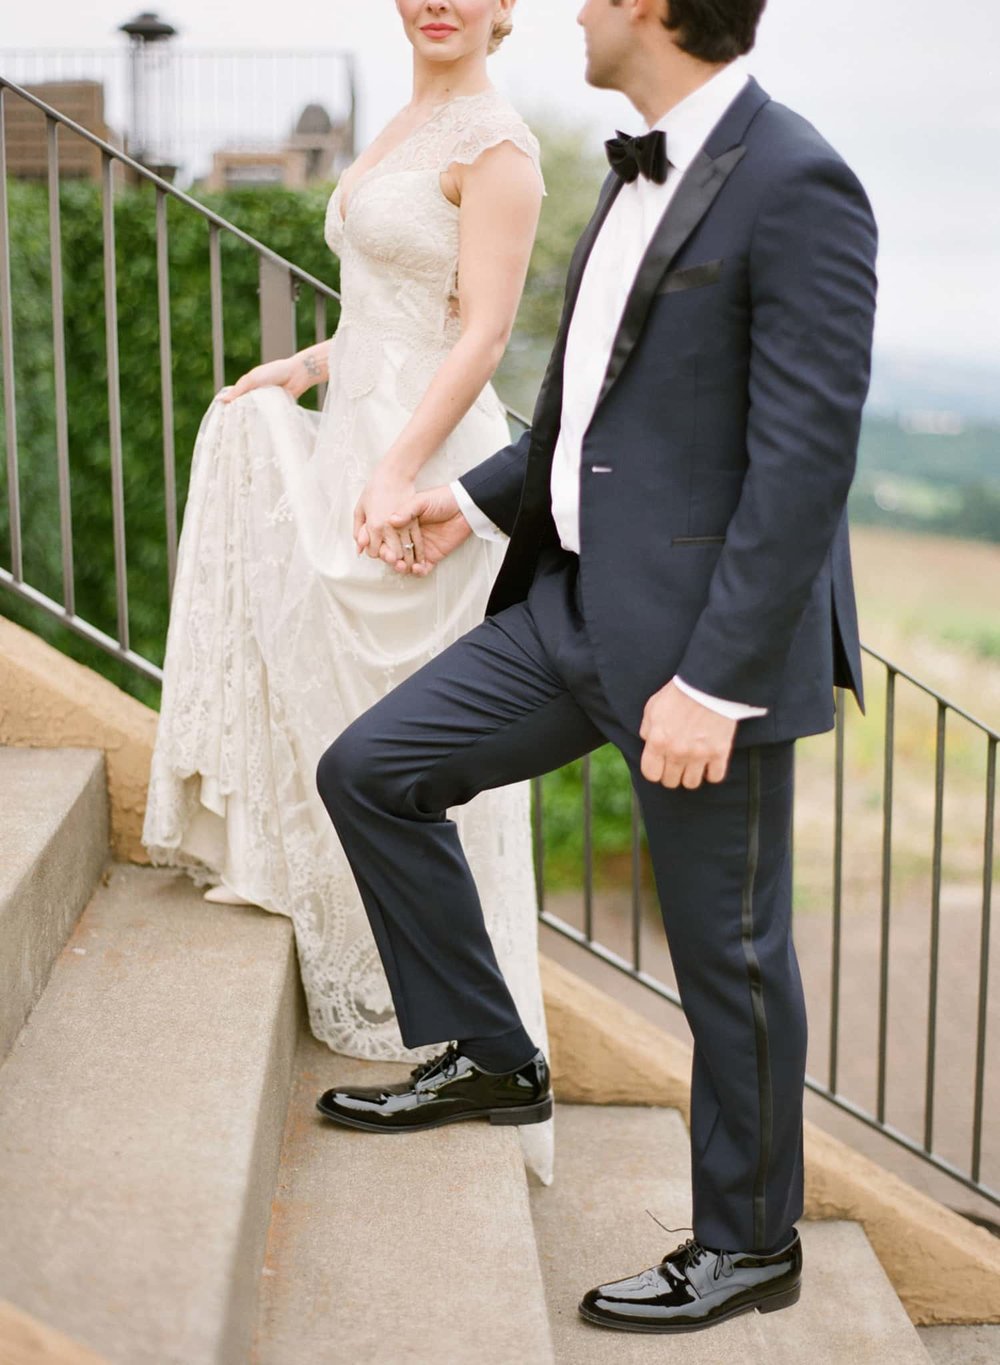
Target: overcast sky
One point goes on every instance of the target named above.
(907, 90)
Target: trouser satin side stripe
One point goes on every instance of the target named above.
(764, 1091)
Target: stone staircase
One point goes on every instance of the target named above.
(169, 1194)
(615, 1163)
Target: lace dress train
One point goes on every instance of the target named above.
(280, 634)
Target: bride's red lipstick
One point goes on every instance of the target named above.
(438, 30)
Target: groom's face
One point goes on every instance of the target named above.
(610, 33)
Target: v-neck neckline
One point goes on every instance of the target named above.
(342, 207)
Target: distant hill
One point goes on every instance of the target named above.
(929, 460)
(954, 458)
(904, 383)
(929, 470)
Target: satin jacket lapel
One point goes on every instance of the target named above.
(704, 179)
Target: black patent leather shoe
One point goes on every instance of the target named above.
(693, 1287)
(446, 1089)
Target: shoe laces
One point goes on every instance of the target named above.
(447, 1060)
(690, 1252)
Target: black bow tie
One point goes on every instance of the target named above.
(632, 156)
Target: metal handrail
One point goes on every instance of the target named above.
(971, 1177)
(278, 275)
(931, 692)
(279, 278)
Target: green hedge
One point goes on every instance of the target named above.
(611, 822)
(289, 222)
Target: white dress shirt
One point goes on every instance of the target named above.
(607, 282)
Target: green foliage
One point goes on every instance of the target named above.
(965, 458)
(946, 484)
(913, 481)
(288, 222)
(976, 636)
(611, 828)
(572, 180)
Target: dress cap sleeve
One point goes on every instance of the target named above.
(490, 128)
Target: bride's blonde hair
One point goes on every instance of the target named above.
(501, 29)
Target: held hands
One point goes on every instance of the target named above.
(374, 534)
(426, 529)
(686, 743)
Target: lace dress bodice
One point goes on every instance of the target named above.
(399, 248)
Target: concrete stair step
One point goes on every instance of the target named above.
(614, 1163)
(968, 1344)
(141, 1113)
(53, 846)
(413, 1249)
(26, 1341)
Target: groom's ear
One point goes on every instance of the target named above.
(656, 17)
(656, 11)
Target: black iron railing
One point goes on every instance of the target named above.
(870, 1051)
(280, 282)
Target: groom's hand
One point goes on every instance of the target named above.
(436, 526)
(686, 743)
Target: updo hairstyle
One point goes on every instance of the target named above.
(501, 29)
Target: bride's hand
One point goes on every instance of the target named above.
(294, 374)
(374, 535)
(434, 522)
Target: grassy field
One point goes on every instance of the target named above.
(932, 606)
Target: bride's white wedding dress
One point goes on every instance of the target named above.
(280, 634)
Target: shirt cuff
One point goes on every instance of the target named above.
(734, 710)
(474, 515)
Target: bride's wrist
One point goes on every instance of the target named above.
(315, 363)
(400, 465)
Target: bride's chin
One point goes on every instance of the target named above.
(438, 52)
(435, 54)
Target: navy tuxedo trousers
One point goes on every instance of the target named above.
(519, 696)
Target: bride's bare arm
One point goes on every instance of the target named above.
(500, 198)
(294, 374)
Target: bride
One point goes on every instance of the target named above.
(286, 623)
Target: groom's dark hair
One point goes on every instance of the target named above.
(714, 30)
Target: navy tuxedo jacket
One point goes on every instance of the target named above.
(716, 468)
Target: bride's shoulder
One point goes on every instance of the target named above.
(482, 121)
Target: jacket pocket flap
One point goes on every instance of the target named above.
(691, 277)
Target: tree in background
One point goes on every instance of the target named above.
(290, 223)
(958, 491)
(572, 178)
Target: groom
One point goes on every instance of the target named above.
(678, 583)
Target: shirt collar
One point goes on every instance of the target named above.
(689, 123)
